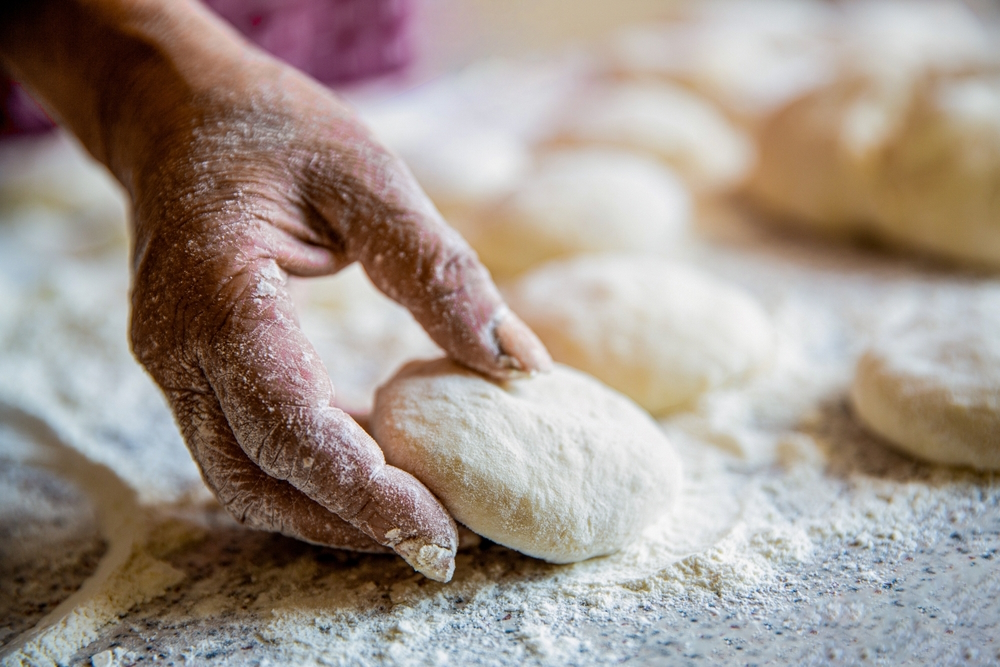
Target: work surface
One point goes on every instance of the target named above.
(799, 539)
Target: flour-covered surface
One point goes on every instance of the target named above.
(798, 538)
(49, 542)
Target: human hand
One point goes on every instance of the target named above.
(243, 171)
(264, 175)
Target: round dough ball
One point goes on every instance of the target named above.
(750, 57)
(684, 130)
(661, 334)
(935, 393)
(894, 37)
(913, 163)
(556, 466)
(937, 192)
(811, 168)
(582, 200)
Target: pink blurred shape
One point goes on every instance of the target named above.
(334, 41)
(19, 114)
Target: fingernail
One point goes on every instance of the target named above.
(522, 346)
(430, 560)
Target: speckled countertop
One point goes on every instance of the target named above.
(935, 604)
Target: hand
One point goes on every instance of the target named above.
(243, 172)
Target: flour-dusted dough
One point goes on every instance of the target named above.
(669, 122)
(812, 167)
(903, 145)
(938, 189)
(467, 168)
(914, 163)
(556, 466)
(902, 37)
(934, 392)
(582, 200)
(660, 333)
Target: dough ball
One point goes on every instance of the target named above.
(673, 124)
(811, 167)
(750, 57)
(903, 37)
(556, 466)
(915, 164)
(582, 200)
(469, 168)
(937, 191)
(934, 392)
(661, 334)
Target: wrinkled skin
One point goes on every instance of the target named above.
(243, 172)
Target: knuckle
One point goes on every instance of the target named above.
(247, 505)
(272, 452)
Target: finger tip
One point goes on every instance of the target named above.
(431, 560)
(520, 347)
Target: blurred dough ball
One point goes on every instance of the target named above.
(661, 334)
(459, 166)
(914, 164)
(938, 191)
(753, 57)
(664, 120)
(899, 38)
(361, 335)
(581, 200)
(934, 391)
(749, 57)
(812, 165)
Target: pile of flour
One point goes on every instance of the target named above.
(777, 471)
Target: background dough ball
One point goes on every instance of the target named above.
(937, 190)
(556, 466)
(660, 333)
(935, 393)
(468, 168)
(915, 164)
(897, 37)
(749, 57)
(673, 124)
(582, 200)
(811, 165)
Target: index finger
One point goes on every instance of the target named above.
(383, 219)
